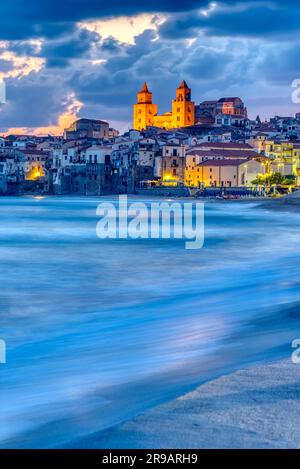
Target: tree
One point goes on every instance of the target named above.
(289, 180)
(260, 180)
(275, 179)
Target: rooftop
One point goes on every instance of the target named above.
(232, 162)
(225, 145)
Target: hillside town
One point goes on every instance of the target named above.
(206, 149)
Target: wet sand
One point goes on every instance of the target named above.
(254, 408)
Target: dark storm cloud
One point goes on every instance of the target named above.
(33, 101)
(205, 64)
(281, 64)
(21, 19)
(163, 65)
(59, 53)
(247, 21)
(220, 61)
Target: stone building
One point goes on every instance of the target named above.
(173, 163)
(145, 113)
(87, 128)
(225, 111)
(228, 173)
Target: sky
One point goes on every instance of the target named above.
(61, 60)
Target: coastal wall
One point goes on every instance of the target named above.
(164, 191)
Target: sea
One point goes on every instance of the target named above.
(98, 331)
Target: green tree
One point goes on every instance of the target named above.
(260, 180)
(289, 180)
(275, 179)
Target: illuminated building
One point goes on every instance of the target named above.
(145, 113)
(173, 163)
(35, 164)
(225, 173)
(221, 164)
(284, 156)
(225, 111)
(36, 172)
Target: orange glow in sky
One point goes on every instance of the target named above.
(64, 121)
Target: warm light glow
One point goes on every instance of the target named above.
(21, 66)
(123, 28)
(64, 121)
(35, 173)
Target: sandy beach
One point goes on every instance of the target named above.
(254, 408)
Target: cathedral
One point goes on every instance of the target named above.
(182, 115)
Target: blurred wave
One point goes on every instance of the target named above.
(98, 331)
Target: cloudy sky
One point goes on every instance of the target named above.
(62, 59)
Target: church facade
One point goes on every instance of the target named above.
(145, 113)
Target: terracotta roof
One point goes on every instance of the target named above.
(34, 152)
(208, 102)
(183, 84)
(228, 100)
(234, 154)
(222, 163)
(145, 88)
(225, 145)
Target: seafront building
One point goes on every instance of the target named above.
(210, 145)
(223, 165)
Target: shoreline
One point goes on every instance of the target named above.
(257, 407)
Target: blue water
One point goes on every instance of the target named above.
(98, 331)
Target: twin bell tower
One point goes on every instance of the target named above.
(182, 115)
